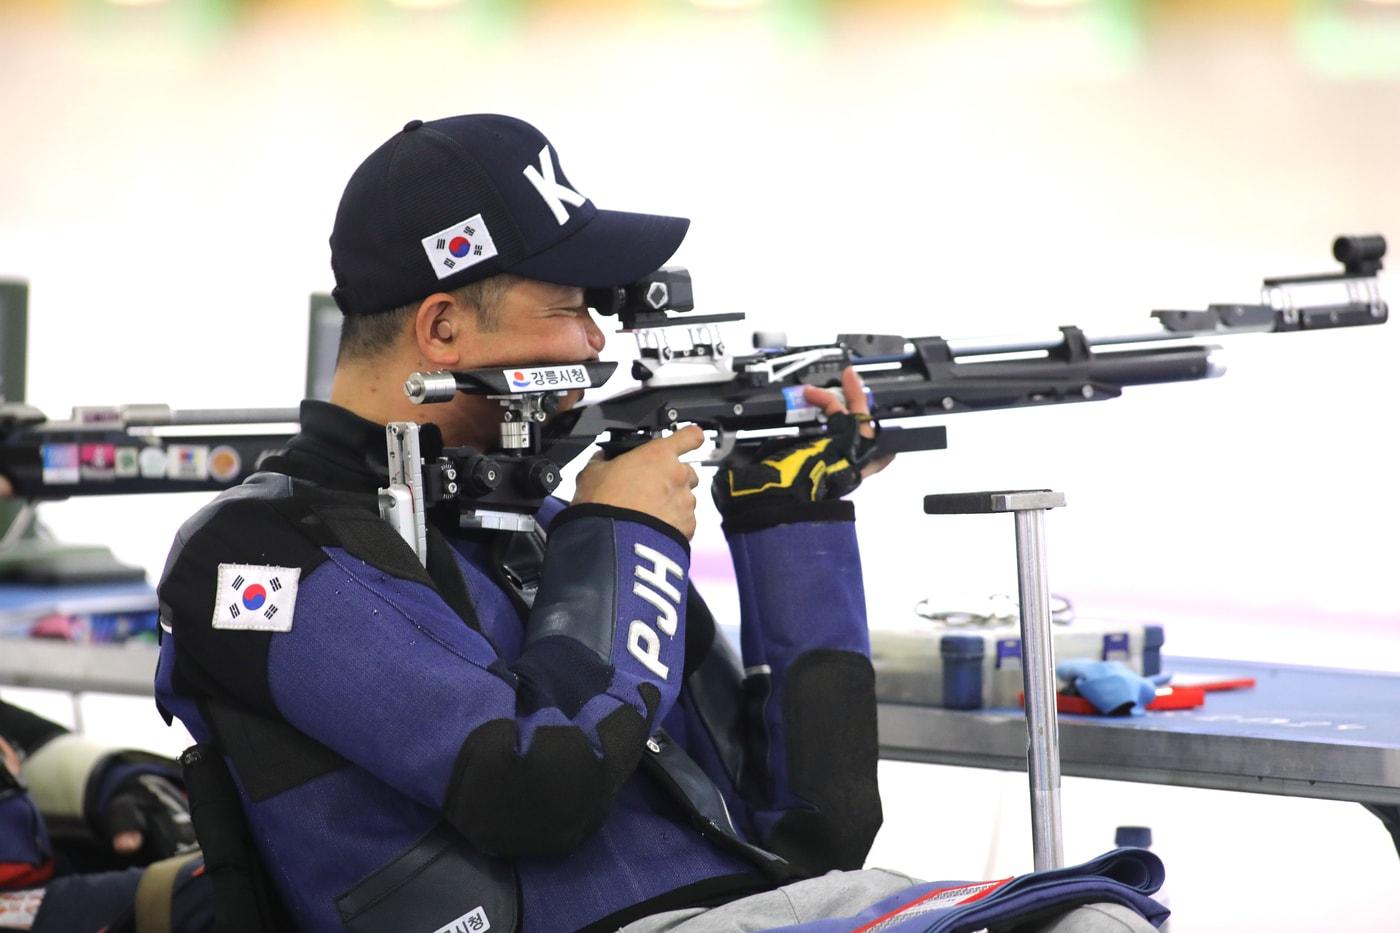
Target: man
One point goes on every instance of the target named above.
(524, 734)
(76, 821)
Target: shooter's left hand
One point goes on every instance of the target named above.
(857, 405)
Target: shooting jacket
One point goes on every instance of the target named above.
(536, 732)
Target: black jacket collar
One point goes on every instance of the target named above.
(338, 449)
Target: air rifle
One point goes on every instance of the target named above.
(112, 450)
(686, 375)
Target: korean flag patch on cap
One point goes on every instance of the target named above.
(255, 597)
(459, 246)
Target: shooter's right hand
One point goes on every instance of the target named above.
(650, 479)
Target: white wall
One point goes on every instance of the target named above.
(167, 184)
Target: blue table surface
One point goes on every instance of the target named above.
(1353, 708)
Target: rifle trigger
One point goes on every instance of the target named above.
(724, 446)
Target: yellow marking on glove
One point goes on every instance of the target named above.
(826, 470)
(789, 467)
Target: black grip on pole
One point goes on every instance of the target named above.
(1360, 254)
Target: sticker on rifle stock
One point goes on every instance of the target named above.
(188, 461)
(60, 463)
(128, 463)
(97, 461)
(544, 378)
(941, 899)
(152, 462)
(798, 408)
(224, 463)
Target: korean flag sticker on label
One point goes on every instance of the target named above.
(459, 246)
(255, 597)
(545, 378)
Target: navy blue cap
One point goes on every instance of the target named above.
(452, 201)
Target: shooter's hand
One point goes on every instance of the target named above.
(858, 406)
(651, 479)
(150, 815)
(808, 469)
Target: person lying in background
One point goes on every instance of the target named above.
(80, 824)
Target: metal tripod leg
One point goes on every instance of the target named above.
(1037, 652)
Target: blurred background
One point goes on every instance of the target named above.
(170, 169)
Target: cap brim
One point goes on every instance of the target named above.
(613, 248)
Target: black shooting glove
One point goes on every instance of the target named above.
(156, 808)
(787, 471)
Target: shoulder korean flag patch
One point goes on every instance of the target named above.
(459, 246)
(256, 597)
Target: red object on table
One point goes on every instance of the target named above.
(1173, 698)
(1212, 682)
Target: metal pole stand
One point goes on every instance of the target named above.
(1037, 651)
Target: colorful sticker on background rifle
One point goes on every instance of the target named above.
(128, 463)
(545, 378)
(188, 461)
(798, 408)
(459, 246)
(60, 463)
(224, 464)
(941, 899)
(152, 461)
(255, 597)
(97, 461)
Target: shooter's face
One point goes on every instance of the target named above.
(540, 324)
